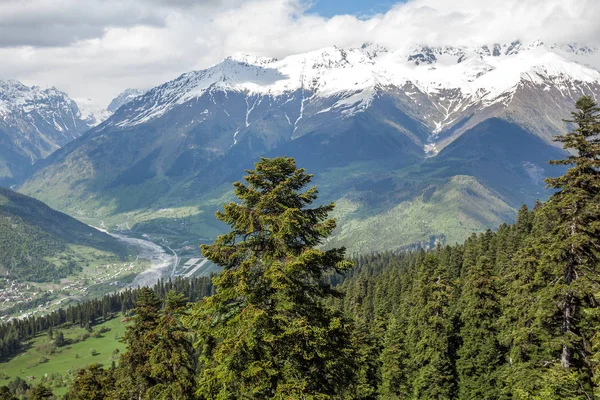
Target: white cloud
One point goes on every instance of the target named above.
(96, 48)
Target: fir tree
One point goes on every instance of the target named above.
(266, 332)
(551, 315)
(5, 394)
(134, 376)
(367, 351)
(430, 333)
(570, 256)
(576, 235)
(172, 359)
(59, 339)
(522, 323)
(480, 354)
(394, 357)
(40, 392)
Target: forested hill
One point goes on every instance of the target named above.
(37, 242)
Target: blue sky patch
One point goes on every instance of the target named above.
(329, 8)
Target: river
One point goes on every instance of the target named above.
(163, 264)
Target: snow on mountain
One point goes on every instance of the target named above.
(481, 75)
(123, 98)
(447, 89)
(96, 115)
(41, 109)
(34, 122)
(381, 126)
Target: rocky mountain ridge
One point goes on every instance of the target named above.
(34, 122)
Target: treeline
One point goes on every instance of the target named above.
(511, 314)
(91, 312)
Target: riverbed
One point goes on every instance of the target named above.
(162, 264)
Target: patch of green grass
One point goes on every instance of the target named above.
(68, 359)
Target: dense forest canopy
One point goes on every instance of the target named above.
(507, 314)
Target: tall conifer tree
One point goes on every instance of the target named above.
(551, 313)
(575, 244)
(394, 358)
(172, 358)
(91, 383)
(430, 333)
(480, 354)
(266, 332)
(134, 376)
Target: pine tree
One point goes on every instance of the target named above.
(40, 392)
(91, 383)
(367, 351)
(523, 319)
(5, 394)
(59, 339)
(551, 314)
(571, 257)
(394, 357)
(266, 332)
(576, 236)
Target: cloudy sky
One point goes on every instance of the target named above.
(94, 49)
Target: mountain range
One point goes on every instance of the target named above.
(416, 146)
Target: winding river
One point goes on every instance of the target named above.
(163, 264)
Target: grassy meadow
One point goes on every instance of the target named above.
(45, 362)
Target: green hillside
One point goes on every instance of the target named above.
(448, 212)
(39, 244)
(46, 362)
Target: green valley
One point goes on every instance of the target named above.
(48, 259)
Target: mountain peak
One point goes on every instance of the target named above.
(16, 92)
(250, 59)
(35, 122)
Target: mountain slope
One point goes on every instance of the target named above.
(39, 244)
(34, 122)
(380, 127)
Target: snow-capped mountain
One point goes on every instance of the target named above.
(441, 86)
(399, 124)
(34, 122)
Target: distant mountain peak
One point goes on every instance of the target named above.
(123, 98)
(34, 122)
